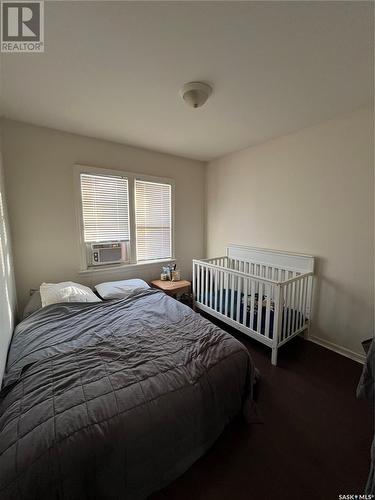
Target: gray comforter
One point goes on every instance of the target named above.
(115, 399)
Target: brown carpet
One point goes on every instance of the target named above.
(314, 443)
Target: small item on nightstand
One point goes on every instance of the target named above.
(166, 271)
(176, 275)
(170, 273)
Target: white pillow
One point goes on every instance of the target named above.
(67, 291)
(120, 289)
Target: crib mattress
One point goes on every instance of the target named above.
(290, 317)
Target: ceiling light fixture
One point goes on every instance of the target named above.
(195, 94)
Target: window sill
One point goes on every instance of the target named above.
(123, 267)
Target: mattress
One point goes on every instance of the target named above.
(115, 399)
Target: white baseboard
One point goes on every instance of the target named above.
(360, 358)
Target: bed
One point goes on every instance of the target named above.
(115, 399)
(266, 294)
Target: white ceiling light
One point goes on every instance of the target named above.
(195, 94)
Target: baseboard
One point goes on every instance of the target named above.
(360, 358)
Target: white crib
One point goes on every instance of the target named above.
(235, 288)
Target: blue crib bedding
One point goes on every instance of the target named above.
(295, 319)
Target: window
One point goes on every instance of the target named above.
(153, 214)
(124, 218)
(105, 208)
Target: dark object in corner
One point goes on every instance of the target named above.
(365, 390)
(366, 344)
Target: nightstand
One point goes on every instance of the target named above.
(173, 288)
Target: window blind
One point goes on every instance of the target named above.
(105, 207)
(153, 213)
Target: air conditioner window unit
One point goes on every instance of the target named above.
(111, 252)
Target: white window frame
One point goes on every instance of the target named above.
(132, 177)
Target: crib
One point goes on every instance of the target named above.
(266, 294)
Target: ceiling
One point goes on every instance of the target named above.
(113, 70)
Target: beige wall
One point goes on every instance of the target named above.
(7, 285)
(310, 192)
(40, 189)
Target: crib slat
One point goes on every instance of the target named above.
(289, 322)
(260, 307)
(207, 272)
(229, 279)
(293, 307)
(252, 303)
(285, 311)
(268, 311)
(202, 283)
(198, 282)
(245, 299)
(221, 291)
(305, 289)
(299, 313)
(302, 312)
(211, 287)
(239, 284)
(296, 302)
(277, 295)
(303, 301)
(282, 309)
(194, 281)
(216, 288)
(289, 306)
(232, 297)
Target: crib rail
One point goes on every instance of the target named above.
(295, 297)
(261, 306)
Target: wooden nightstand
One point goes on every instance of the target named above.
(173, 288)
